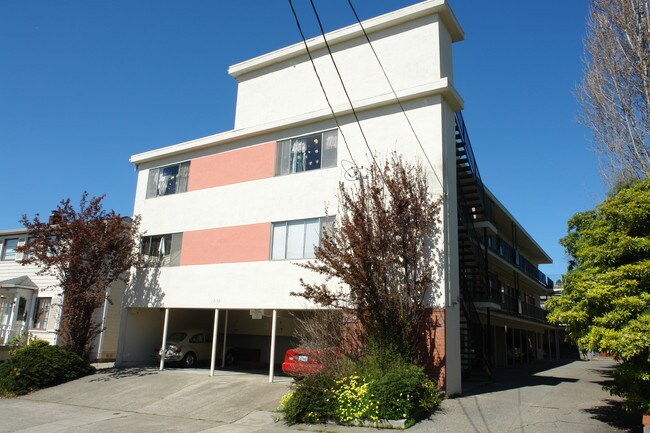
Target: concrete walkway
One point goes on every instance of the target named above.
(539, 398)
(557, 398)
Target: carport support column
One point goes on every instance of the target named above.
(225, 335)
(215, 328)
(163, 346)
(272, 357)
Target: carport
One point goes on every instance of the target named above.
(263, 334)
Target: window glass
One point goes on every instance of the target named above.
(176, 336)
(313, 151)
(312, 237)
(27, 254)
(42, 313)
(279, 241)
(309, 152)
(297, 239)
(171, 179)
(22, 305)
(157, 250)
(167, 180)
(198, 338)
(9, 249)
(330, 144)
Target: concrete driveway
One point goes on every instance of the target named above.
(543, 398)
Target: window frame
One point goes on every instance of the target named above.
(181, 181)
(323, 222)
(43, 318)
(3, 257)
(280, 152)
(171, 258)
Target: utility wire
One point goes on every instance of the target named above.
(320, 82)
(345, 90)
(399, 102)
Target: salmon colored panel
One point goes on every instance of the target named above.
(249, 243)
(234, 166)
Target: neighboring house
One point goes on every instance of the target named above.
(33, 303)
(227, 216)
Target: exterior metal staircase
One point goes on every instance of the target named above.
(474, 280)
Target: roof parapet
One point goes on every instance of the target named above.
(372, 25)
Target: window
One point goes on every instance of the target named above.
(198, 338)
(27, 254)
(309, 152)
(168, 180)
(42, 313)
(297, 239)
(22, 306)
(9, 249)
(161, 250)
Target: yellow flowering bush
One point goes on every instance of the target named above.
(353, 402)
(400, 390)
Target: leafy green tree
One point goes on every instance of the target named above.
(606, 301)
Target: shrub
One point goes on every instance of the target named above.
(405, 392)
(380, 388)
(311, 402)
(38, 365)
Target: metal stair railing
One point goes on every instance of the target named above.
(472, 239)
(471, 160)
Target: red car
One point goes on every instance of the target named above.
(301, 362)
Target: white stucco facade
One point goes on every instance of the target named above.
(279, 97)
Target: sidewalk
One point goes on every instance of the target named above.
(544, 397)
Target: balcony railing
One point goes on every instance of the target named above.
(512, 305)
(504, 250)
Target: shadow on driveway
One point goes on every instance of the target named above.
(518, 376)
(613, 414)
(122, 373)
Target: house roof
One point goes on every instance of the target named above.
(23, 282)
(13, 232)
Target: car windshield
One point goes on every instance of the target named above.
(176, 336)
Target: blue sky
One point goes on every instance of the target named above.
(85, 84)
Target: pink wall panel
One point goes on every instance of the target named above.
(240, 165)
(247, 243)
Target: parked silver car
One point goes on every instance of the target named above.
(187, 347)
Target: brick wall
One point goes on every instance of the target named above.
(432, 351)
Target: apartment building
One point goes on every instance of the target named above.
(227, 217)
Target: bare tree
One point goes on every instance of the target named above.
(615, 90)
(384, 252)
(329, 332)
(86, 250)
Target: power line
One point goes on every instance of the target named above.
(399, 102)
(320, 82)
(345, 90)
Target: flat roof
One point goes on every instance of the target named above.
(391, 19)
